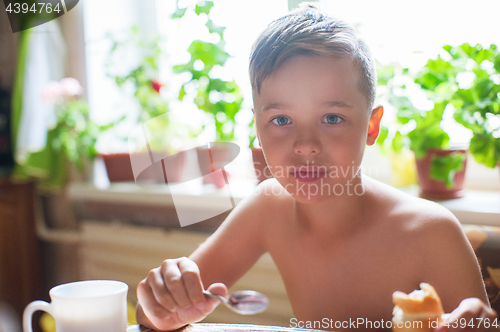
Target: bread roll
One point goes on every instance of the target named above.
(420, 310)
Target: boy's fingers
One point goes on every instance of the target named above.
(445, 317)
(210, 303)
(160, 292)
(218, 288)
(142, 318)
(192, 281)
(487, 312)
(466, 312)
(173, 280)
(149, 305)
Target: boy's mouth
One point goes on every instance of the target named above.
(308, 173)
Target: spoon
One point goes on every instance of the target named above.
(243, 302)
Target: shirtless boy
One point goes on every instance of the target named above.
(342, 242)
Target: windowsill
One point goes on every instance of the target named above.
(477, 207)
(196, 196)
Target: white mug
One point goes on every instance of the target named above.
(84, 306)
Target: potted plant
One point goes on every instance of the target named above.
(440, 166)
(220, 99)
(70, 141)
(142, 81)
(477, 105)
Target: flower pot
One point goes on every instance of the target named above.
(119, 168)
(170, 169)
(213, 159)
(433, 189)
(262, 171)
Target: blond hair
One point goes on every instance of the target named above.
(308, 31)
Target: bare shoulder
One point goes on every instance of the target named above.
(270, 205)
(271, 191)
(418, 224)
(267, 197)
(256, 213)
(434, 241)
(410, 213)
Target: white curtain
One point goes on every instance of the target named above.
(44, 63)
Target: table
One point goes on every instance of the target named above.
(213, 327)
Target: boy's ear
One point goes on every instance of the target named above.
(374, 125)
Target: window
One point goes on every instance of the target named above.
(405, 32)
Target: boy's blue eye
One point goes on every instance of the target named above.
(332, 119)
(281, 120)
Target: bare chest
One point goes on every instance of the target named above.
(339, 282)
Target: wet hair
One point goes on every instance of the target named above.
(308, 31)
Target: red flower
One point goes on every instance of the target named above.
(156, 85)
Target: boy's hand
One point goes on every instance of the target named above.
(471, 315)
(172, 296)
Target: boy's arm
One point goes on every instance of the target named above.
(238, 243)
(450, 265)
(171, 295)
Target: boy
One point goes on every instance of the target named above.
(342, 242)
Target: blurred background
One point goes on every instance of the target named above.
(75, 91)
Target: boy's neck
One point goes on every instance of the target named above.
(337, 215)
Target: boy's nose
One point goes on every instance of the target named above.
(306, 148)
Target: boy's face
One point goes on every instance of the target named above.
(313, 124)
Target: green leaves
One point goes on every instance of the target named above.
(466, 79)
(398, 142)
(75, 134)
(384, 74)
(485, 148)
(478, 103)
(203, 7)
(428, 133)
(406, 110)
(220, 99)
(430, 137)
(209, 53)
(214, 28)
(179, 12)
(435, 73)
(142, 77)
(444, 168)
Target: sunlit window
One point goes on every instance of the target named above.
(405, 32)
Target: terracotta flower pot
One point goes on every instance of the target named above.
(119, 168)
(215, 158)
(174, 164)
(262, 171)
(435, 189)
